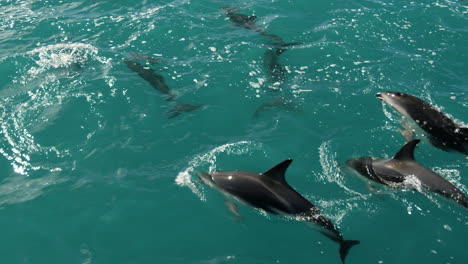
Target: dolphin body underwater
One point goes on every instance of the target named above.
(442, 131)
(276, 72)
(393, 172)
(270, 192)
(157, 81)
(248, 22)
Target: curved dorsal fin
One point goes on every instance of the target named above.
(407, 151)
(278, 171)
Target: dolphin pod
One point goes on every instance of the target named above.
(270, 192)
(276, 73)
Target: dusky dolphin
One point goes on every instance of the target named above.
(241, 20)
(442, 131)
(277, 102)
(270, 192)
(151, 60)
(275, 71)
(249, 22)
(157, 81)
(148, 74)
(395, 171)
(276, 74)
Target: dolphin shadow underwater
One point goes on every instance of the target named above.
(157, 81)
(442, 132)
(270, 192)
(396, 171)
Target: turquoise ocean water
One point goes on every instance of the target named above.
(94, 171)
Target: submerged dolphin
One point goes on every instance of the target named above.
(148, 74)
(242, 20)
(276, 75)
(270, 192)
(277, 102)
(248, 22)
(276, 72)
(157, 81)
(442, 131)
(395, 171)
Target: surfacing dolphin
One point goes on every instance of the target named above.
(396, 171)
(270, 192)
(157, 81)
(248, 22)
(442, 131)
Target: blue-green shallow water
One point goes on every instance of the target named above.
(93, 171)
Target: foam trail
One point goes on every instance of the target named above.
(331, 169)
(37, 97)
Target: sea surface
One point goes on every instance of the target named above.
(94, 170)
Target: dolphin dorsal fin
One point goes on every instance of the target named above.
(278, 171)
(407, 151)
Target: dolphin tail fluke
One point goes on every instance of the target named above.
(171, 97)
(345, 246)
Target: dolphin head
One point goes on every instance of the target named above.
(362, 165)
(206, 178)
(401, 102)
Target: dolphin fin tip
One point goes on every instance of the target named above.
(345, 246)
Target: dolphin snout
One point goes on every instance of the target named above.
(351, 163)
(205, 178)
(379, 95)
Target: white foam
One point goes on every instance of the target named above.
(60, 56)
(19, 188)
(330, 169)
(36, 100)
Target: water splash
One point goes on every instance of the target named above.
(331, 169)
(36, 99)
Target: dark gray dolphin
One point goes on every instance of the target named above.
(248, 22)
(151, 60)
(276, 74)
(241, 20)
(277, 102)
(275, 71)
(148, 74)
(157, 81)
(442, 131)
(395, 171)
(270, 192)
